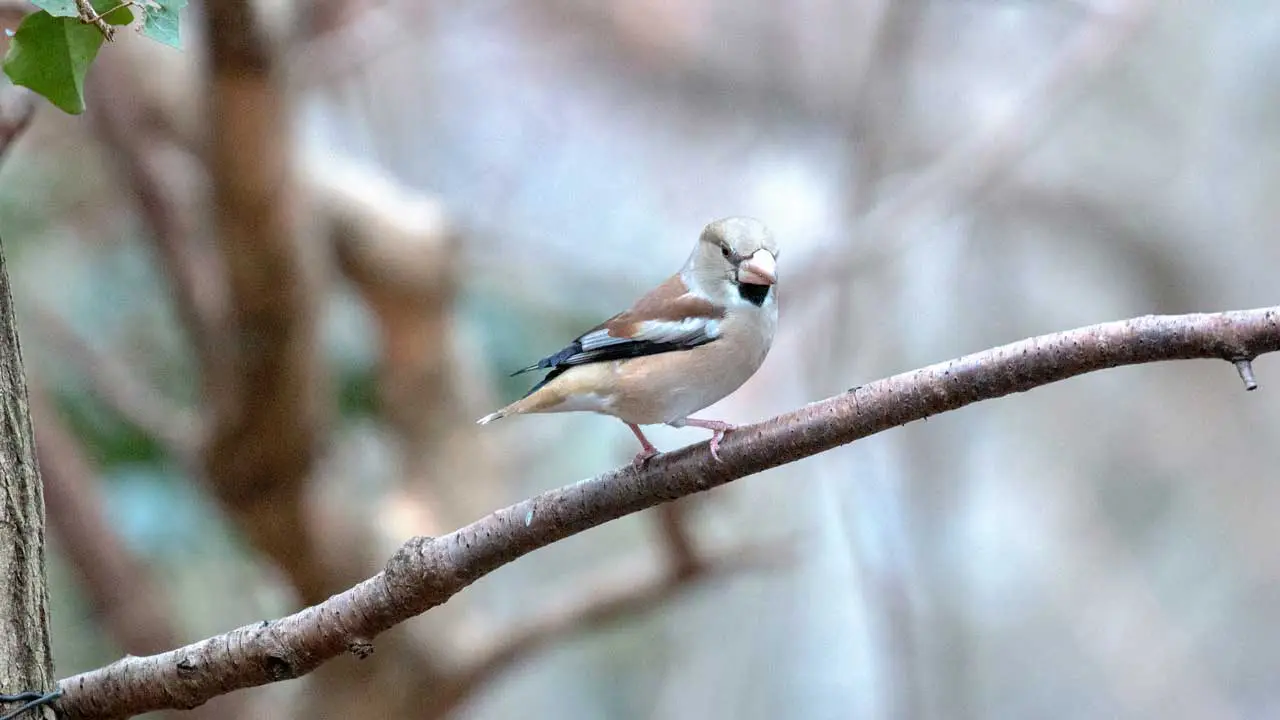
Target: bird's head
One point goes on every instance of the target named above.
(735, 257)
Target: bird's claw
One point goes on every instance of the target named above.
(718, 429)
(715, 443)
(643, 457)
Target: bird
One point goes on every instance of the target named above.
(683, 346)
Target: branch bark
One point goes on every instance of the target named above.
(426, 572)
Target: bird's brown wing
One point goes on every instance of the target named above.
(669, 318)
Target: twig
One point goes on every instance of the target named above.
(89, 16)
(1244, 366)
(426, 572)
(17, 108)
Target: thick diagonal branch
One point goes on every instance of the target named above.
(426, 572)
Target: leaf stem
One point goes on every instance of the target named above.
(89, 16)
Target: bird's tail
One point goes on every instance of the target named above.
(540, 399)
(522, 405)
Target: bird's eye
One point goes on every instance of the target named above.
(724, 250)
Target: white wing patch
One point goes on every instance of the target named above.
(657, 331)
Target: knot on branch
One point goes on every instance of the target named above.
(280, 659)
(420, 575)
(361, 648)
(187, 668)
(279, 667)
(1241, 339)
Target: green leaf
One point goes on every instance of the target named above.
(51, 55)
(119, 14)
(67, 8)
(58, 8)
(160, 21)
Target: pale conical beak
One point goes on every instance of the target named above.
(759, 269)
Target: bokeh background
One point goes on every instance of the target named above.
(261, 311)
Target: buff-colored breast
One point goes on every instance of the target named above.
(672, 386)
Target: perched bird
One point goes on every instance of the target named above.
(685, 345)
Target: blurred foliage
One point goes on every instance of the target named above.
(357, 392)
(114, 440)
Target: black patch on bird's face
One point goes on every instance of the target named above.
(754, 294)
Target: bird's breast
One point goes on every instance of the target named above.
(672, 386)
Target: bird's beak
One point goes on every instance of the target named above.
(759, 269)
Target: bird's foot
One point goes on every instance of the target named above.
(30, 700)
(718, 429)
(643, 456)
(648, 450)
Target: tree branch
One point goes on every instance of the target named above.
(426, 572)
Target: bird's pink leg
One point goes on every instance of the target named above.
(649, 450)
(716, 426)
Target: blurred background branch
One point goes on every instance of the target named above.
(963, 171)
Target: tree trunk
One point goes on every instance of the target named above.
(26, 663)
